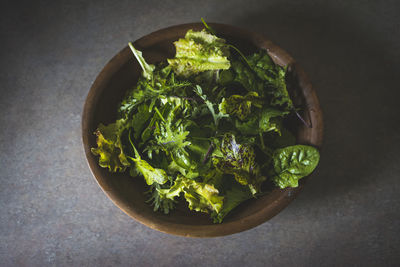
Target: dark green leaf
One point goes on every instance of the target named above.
(292, 163)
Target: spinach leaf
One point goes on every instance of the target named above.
(293, 163)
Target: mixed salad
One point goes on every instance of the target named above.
(206, 127)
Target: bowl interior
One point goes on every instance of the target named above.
(121, 74)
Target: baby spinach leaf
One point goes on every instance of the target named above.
(293, 163)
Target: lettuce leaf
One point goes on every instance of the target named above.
(200, 196)
(238, 105)
(239, 160)
(198, 52)
(109, 146)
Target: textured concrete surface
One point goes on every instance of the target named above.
(53, 213)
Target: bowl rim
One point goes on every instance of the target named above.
(225, 228)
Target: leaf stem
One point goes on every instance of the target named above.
(309, 125)
(159, 114)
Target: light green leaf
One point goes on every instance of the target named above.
(200, 196)
(147, 68)
(109, 146)
(198, 52)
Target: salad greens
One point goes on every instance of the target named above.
(207, 126)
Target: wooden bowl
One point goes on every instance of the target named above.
(121, 74)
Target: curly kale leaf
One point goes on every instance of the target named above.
(162, 83)
(198, 52)
(239, 160)
(293, 163)
(159, 202)
(109, 146)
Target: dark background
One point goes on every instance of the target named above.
(52, 212)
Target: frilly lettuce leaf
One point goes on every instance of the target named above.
(200, 196)
(198, 52)
(109, 146)
(238, 105)
(150, 174)
(293, 163)
(239, 160)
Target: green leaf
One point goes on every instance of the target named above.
(200, 196)
(271, 120)
(109, 146)
(163, 83)
(274, 79)
(150, 174)
(216, 116)
(233, 197)
(244, 75)
(147, 68)
(198, 52)
(239, 160)
(159, 202)
(238, 105)
(249, 127)
(139, 120)
(293, 163)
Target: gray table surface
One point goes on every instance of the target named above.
(52, 212)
